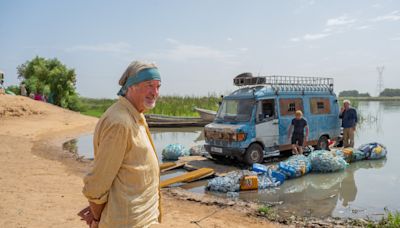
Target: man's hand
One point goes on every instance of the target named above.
(305, 141)
(341, 109)
(94, 224)
(86, 215)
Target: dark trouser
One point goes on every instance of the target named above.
(298, 139)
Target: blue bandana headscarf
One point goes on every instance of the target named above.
(141, 76)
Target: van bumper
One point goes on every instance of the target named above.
(226, 151)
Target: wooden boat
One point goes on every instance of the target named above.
(205, 114)
(154, 120)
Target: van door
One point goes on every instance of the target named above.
(267, 128)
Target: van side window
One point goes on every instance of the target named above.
(266, 110)
(288, 106)
(320, 105)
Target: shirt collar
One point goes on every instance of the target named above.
(139, 117)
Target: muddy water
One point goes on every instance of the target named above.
(364, 189)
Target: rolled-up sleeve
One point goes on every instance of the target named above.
(111, 148)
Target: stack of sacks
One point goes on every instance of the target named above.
(267, 177)
(228, 183)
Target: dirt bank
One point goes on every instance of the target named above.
(41, 184)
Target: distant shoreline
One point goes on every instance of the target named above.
(371, 98)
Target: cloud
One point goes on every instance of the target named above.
(118, 47)
(182, 52)
(316, 36)
(397, 38)
(229, 39)
(310, 37)
(393, 16)
(363, 27)
(340, 21)
(332, 26)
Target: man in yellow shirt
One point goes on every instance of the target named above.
(123, 187)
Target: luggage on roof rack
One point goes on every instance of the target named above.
(286, 83)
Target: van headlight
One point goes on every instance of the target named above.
(239, 136)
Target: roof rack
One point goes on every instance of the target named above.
(287, 83)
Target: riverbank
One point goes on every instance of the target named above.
(41, 184)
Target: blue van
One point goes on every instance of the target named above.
(252, 122)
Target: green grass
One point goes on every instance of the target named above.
(392, 219)
(265, 210)
(166, 105)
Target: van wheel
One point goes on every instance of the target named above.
(322, 143)
(254, 154)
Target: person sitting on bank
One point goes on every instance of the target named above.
(349, 121)
(298, 140)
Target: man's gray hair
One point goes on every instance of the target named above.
(347, 101)
(133, 69)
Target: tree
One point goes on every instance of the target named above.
(390, 93)
(51, 78)
(353, 93)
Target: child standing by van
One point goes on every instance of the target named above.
(298, 125)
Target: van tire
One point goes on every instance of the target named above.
(322, 143)
(254, 154)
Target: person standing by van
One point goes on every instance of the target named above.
(349, 121)
(298, 140)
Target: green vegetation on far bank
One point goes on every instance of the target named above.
(166, 105)
(397, 98)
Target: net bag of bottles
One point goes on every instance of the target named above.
(373, 150)
(295, 166)
(326, 161)
(228, 183)
(174, 151)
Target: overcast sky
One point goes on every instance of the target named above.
(200, 46)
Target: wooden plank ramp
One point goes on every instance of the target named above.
(188, 177)
(171, 165)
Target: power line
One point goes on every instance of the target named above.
(379, 86)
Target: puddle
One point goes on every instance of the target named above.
(191, 136)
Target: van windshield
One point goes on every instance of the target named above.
(236, 110)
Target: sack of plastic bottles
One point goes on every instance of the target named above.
(295, 166)
(346, 154)
(198, 150)
(358, 155)
(326, 161)
(174, 151)
(373, 150)
(228, 183)
(268, 176)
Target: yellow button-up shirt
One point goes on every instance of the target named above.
(126, 173)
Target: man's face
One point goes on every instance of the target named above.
(346, 105)
(145, 94)
(298, 116)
